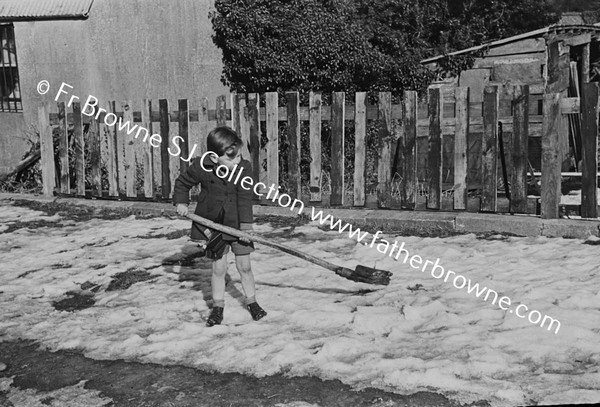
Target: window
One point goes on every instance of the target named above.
(10, 91)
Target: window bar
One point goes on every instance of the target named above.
(10, 70)
(2, 67)
(17, 90)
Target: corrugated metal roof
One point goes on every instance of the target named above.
(14, 10)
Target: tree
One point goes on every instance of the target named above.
(333, 45)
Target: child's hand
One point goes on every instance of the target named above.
(245, 241)
(246, 227)
(182, 209)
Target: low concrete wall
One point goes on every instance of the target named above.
(400, 222)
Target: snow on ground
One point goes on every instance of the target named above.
(431, 337)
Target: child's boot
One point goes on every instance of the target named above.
(215, 317)
(256, 311)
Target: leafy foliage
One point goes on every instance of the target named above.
(333, 45)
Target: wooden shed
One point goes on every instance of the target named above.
(554, 59)
(111, 49)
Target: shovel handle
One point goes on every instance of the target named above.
(266, 242)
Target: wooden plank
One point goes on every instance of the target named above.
(551, 165)
(108, 133)
(272, 126)
(174, 159)
(558, 67)
(578, 40)
(63, 149)
(585, 63)
(163, 107)
(489, 150)
(570, 105)
(203, 126)
(235, 112)
(156, 155)
(460, 148)
(46, 149)
(243, 124)
(79, 147)
(314, 130)
(293, 134)
(119, 150)
(254, 134)
(434, 156)
(94, 141)
(184, 127)
(520, 153)
(409, 151)
(147, 150)
(360, 147)
(589, 150)
(384, 154)
(337, 148)
(221, 111)
(129, 147)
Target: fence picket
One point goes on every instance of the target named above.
(128, 143)
(243, 124)
(254, 135)
(434, 158)
(46, 149)
(553, 126)
(315, 146)
(107, 150)
(184, 125)
(384, 162)
(95, 154)
(63, 149)
(518, 192)
(461, 134)
(293, 134)
(589, 150)
(221, 112)
(409, 151)
(489, 150)
(360, 147)
(337, 148)
(79, 147)
(273, 138)
(147, 149)
(163, 109)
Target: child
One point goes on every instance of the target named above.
(224, 202)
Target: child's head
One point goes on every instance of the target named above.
(225, 143)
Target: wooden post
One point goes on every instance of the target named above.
(552, 127)
(314, 116)
(147, 149)
(518, 192)
(221, 110)
(559, 72)
(461, 96)
(94, 141)
(79, 149)
(294, 176)
(360, 147)
(164, 117)
(254, 134)
(105, 149)
(384, 162)
(589, 150)
(63, 149)
(128, 142)
(184, 133)
(434, 200)
(203, 126)
(46, 149)
(409, 151)
(489, 150)
(585, 63)
(272, 123)
(244, 125)
(338, 101)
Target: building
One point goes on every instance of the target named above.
(111, 49)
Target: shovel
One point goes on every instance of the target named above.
(361, 274)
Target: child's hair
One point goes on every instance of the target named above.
(223, 141)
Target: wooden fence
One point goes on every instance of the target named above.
(444, 142)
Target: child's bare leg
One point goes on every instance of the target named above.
(242, 263)
(219, 269)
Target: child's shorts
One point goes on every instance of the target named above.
(238, 248)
